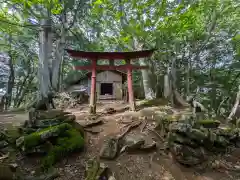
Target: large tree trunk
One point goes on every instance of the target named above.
(10, 83)
(148, 91)
(167, 90)
(236, 105)
(187, 81)
(59, 54)
(24, 91)
(20, 88)
(176, 96)
(45, 50)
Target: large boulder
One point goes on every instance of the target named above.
(187, 155)
(134, 142)
(37, 138)
(3, 144)
(71, 141)
(109, 148)
(10, 172)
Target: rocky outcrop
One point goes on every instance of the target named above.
(191, 141)
(54, 133)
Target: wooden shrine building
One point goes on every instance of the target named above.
(109, 84)
(111, 56)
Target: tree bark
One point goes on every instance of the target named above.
(59, 54)
(148, 91)
(188, 68)
(20, 89)
(10, 82)
(45, 50)
(24, 91)
(167, 90)
(236, 105)
(176, 97)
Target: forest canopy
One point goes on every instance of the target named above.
(197, 42)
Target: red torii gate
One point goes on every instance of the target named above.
(111, 56)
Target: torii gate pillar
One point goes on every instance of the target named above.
(130, 86)
(93, 97)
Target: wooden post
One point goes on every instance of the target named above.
(93, 88)
(130, 86)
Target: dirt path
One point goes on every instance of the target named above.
(144, 166)
(14, 119)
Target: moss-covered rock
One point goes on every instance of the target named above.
(3, 136)
(3, 144)
(10, 172)
(95, 170)
(70, 142)
(37, 138)
(180, 127)
(78, 127)
(187, 155)
(178, 138)
(197, 135)
(109, 149)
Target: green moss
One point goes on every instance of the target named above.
(153, 102)
(11, 134)
(37, 138)
(209, 123)
(95, 169)
(71, 142)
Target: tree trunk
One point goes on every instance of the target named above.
(235, 107)
(45, 50)
(148, 91)
(59, 54)
(188, 77)
(20, 88)
(167, 90)
(24, 91)
(176, 96)
(10, 83)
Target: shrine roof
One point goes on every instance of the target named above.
(110, 55)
